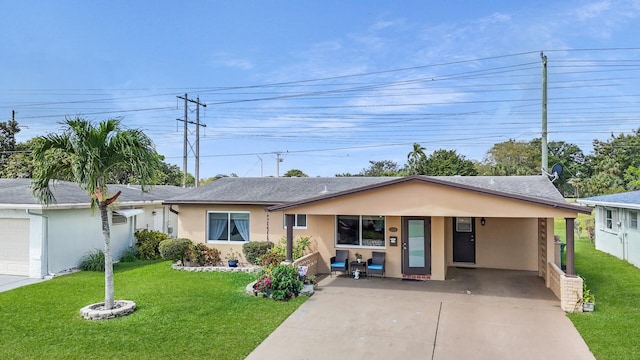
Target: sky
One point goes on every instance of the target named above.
(324, 86)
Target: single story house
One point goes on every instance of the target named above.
(616, 224)
(40, 240)
(423, 224)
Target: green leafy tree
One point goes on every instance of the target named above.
(605, 168)
(569, 155)
(381, 168)
(295, 173)
(8, 131)
(607, 180)
(19, 164)
(632, 178)
(416, 159)
(448, 163)
(94, 152)
(511, 158)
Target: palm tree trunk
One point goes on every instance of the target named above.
(108, 260)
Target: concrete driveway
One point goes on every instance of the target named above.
(9, 282)
(475, 314)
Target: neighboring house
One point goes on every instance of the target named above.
(616, 224)
(423, 224)
(38, 240)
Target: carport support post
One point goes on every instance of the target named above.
(290, 219)
(571, 264)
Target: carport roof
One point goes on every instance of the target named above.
(532, 189)
(289, 192)
(14, 192)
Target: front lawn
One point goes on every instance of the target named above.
(613, 330)
(187, 315)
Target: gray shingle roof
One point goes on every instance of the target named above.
(18, 192)
(271, 190)
(286, 190)
(629, 200)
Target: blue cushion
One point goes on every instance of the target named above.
(375, 266)
(337, 264)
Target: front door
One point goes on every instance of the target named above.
(464, 240)
(416, 245)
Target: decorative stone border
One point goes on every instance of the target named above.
(97, 311)
(252, 269)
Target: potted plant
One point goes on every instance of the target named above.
(588, 299)
(358, 257)
(232, 258)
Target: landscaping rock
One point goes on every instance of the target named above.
(97, 311)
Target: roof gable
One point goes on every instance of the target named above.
(282, 193)
(528, 189)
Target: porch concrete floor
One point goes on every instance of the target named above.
(474, 314)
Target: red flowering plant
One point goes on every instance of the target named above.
(263, 285)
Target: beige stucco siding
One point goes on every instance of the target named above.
(503, 243)
(412, 198)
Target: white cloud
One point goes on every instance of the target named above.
(229, 60)
(592, 10)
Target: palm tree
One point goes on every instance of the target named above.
(415, 159)
(93, 152)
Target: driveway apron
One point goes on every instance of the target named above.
(9, 282)
(475, 315)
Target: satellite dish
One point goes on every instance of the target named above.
(556, 170)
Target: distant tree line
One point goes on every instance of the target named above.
(613, 166)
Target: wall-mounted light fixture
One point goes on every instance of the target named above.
(483, 221)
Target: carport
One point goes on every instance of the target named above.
(474, 314)
(426, 225)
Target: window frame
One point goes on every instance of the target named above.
(608, 219)
(295, 221)
(122, 220)
(229, 231)
(360, 233)
(633, 220)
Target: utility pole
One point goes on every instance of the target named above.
(198, 139)
(186, 137)
(278, 161)
(545, 148)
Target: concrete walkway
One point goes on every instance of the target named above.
(9, 282)
(475, 314)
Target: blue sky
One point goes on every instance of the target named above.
(329, 84)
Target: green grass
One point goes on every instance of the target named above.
(613, 330)
(179, 315)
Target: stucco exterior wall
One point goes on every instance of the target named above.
(413, 199)
(503, 243)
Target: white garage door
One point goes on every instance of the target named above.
(14, 246)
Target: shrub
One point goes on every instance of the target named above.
(272, 259)
(300, 246)
(147, 242)
(174, 249)
(254, 250)
(129, 255)
(92, 261)
(202, 255)
(285, 282)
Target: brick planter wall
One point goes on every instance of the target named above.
(567, 289)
